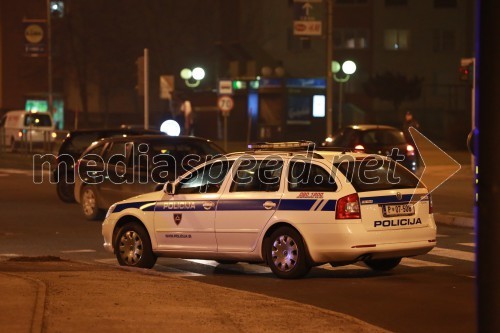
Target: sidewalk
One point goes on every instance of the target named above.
(51, 295)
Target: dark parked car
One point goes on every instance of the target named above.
(375, 139)
(115, 169)
(72, 148)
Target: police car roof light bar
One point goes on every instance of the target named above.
(289, 145)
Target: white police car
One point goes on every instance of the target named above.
(283, 205)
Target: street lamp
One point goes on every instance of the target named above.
(193, 77)
(346, 70)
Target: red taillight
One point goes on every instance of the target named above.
(410, 150)
(348, 208)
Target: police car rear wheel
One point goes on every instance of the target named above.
(286, 254)
(382, 265)
(89, 204)
(133, 247)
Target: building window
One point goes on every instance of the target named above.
(445, 3)
(443, 40)
(350, 2)
(391, 3)
(350, 38)
(396, 39)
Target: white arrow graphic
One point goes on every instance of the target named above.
(439, 164)
(307, 7)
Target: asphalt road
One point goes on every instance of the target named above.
(431, 293)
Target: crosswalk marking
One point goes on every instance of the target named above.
(158, 267)
(79, 251)
(467, 244)
(454, 254)
(240, 267)
(411, 262)
(343, 268)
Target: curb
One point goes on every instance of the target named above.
(454, 220)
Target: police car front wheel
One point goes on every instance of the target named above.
(286, 254)
(133, 247)
(382, 265)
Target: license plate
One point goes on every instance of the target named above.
(398, 210)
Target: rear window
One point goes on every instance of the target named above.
(375, 174)
(383, 137)
(37, 120)
(77, 143)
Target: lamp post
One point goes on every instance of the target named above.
(347, 69)
(192, 77)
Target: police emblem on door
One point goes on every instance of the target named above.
(177, 218)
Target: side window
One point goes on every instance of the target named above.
(309, 177)
(207, 179)
(92, 155)
(116, 154)
(260, 176)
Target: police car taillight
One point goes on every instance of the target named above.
(348, 207)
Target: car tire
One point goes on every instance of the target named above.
(227, 262)
(133, 247)
(88, 202)
(382, 265)
(286, 254)
(65, 191)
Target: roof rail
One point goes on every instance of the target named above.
(341, 149)
(282, 146)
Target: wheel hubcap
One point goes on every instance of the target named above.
(88, 202)
(284, 253)
(131, 247)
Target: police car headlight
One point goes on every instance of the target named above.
(110, 210)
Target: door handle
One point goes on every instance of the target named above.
(207, 205)
(269, 205)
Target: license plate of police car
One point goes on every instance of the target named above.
(398, 210)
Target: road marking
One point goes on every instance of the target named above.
(467, 244)
(410, 262)
(10, 255)
(343, 268)
(240, 267)
(79, 251)
(158, 267)
(454, 254)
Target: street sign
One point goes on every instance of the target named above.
(307, 18)
(35, 38)
(225, 87)
(166, 86)
(225, 104)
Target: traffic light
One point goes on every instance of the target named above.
(464, 73)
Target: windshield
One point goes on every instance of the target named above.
(37, 120)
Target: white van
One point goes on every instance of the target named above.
(26, 126)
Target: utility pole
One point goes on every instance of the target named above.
(329, 74)
(146, 89)
(50, 100)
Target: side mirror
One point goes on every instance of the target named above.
(169, 188)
